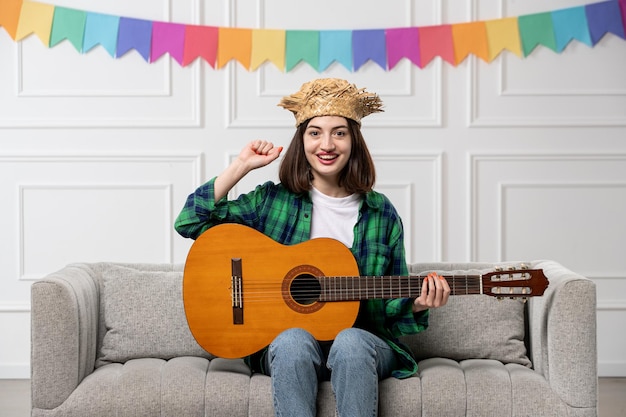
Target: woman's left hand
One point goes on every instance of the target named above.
(435, 293)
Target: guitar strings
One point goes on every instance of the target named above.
(255, 290)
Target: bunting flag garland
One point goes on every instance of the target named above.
(286, 49)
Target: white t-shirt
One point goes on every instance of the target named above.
(334, 217)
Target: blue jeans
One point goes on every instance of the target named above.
(354, 363)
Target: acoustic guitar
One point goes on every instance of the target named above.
(241, 288)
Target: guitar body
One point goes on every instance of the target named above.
(276, 293)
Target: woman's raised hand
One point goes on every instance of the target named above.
(259, 153)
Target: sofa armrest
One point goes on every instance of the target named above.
(562, 335)
(64, 329)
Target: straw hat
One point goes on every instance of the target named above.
(331, 97)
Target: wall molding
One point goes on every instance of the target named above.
(474, 159)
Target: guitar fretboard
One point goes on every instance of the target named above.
(387, 287)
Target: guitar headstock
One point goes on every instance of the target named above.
(514, 283)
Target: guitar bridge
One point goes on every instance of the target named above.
(237, 290)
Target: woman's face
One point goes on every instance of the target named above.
(327, 145)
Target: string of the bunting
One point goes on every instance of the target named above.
(319, 48)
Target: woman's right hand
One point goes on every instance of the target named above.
(258, 153)
(255, 154)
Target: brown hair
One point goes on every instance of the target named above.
(358, 176)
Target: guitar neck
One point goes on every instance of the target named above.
(387, 287)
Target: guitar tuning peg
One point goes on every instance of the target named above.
(523, 266)
(499, 298)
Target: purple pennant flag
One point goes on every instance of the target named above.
(369, 44)
(168, 37)
(403, 43)
(134, 34)
(604, 18)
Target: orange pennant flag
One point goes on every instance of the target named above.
(268, 45)
(470, 38)
(234, 43)
(35, 18)
(10, 15)
(503, 34)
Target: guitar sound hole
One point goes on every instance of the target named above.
(305, 289)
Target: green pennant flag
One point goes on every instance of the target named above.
(536, 29)
(68, 24)
(302, 45)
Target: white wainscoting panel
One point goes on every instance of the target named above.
(86, 208)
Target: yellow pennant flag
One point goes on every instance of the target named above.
(503, 34)
(268, 45)
(35, 18)
(234, 43)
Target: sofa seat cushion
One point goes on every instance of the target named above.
(183, 386)
(194, 386)
(143, 314)
(483, 387)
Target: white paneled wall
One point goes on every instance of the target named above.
(517, 159)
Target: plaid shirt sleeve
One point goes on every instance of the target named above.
(201, 211)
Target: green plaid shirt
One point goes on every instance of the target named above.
(286, 217)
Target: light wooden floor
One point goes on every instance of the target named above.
(15, 397)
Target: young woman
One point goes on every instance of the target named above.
(326, 190)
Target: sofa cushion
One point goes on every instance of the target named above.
(473, 327)
(144, 316)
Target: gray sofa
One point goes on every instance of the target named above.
(112, 340)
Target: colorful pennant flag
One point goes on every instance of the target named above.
(134, 34)
(302, 45)
(168, 38)
(101, 29)
(369, 45)
(234, 43)
(570, 24)
(503, 34)
(452, 43)
(35, 18)
(268, 45)
(470, 38)
(604, 18)
(536, 29)
(335, 46)
(402, 43)
(68, 24)
(10, 15)
(200, 41)
(436, 41)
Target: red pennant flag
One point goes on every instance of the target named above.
(436, 41)
(200, 41)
